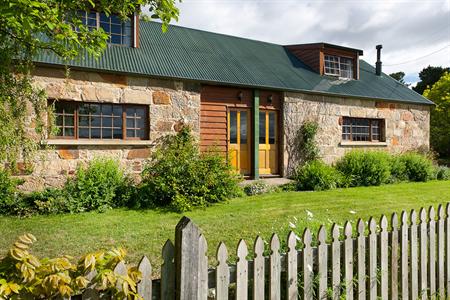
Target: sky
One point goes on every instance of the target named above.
(414, 34)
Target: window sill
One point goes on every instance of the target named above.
(70, 142)
(363, 144)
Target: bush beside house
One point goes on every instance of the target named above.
(368, 168)
(177, 177)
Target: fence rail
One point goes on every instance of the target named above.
(405, 258)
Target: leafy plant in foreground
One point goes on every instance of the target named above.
(24, 276)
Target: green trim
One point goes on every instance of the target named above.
(255, 134)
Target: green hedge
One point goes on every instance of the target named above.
(365, 168)
(317, 176)
(368, 168)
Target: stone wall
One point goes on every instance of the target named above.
(407, 126)
(171, 104)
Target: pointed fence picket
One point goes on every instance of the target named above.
(400, 259)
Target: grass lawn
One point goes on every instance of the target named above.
(144, 232)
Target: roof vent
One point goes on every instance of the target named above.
(378, 63)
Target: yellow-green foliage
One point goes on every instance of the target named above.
(23, 275)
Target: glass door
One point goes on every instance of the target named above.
(268, 142)
(239, 140)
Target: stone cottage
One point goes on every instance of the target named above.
(246, 98)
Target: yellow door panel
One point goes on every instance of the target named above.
(239, 140)
(268, 142)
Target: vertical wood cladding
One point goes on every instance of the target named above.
(215, 101)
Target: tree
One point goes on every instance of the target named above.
(428, 76)
(439, 93)
(29, 27)
(399, 76)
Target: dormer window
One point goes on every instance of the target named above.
(119, 32)
(338, 66)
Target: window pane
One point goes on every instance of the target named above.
(140, 112)
(233, 127)
(117, 110)
(262, 127)
(95, 121)
(59, 120)
(94, 109)
(104, 18)
(107, 133)
(140, 123)
(140, 133)
(115, 39)
(107, 122)
(69, 121)
(118, 134)
(130, 133)
(95, 133)
(117, 122)
(272, 128)
(116, 29)
(243, 127)
(84, 109)
(106, 109)
(130, 123)
(83, 133)
(83, 121)
(68, 132)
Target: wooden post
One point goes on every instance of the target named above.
(258, 269)
(186, 260)
(322, 262)
(361, 257)
(384, 248)
(348, 260)
(242, 271)
(394, 257)
(414, 257)
(423, 254)
(291, 267)
(336, 263)
(255, 135)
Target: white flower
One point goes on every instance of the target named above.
(310, 214)
(352, 212)
(292, 225)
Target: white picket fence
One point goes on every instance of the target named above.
(400, 259)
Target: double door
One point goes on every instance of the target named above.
(240, 141)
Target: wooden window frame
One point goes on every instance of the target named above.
(133, 32)
(381, 125)
(340, 70)
(123, 117)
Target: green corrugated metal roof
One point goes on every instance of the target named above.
(186, 53)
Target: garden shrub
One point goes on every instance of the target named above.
(11, 202)
(417, 166)
(48, 201)
(308, 148)
(365, 168)
(398, 169)
(95, 186)
(442, 173)
(317, 176)
(179, 177)
(256, 188)
(25, 276)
